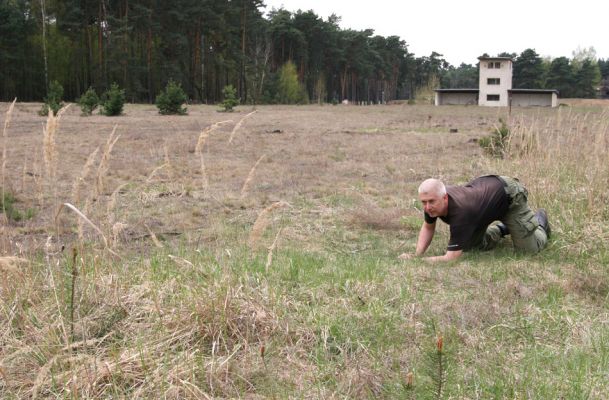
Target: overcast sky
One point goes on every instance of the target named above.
(455, 28)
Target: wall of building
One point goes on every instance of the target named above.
(504, 73)
(534, 99)
(445, 99)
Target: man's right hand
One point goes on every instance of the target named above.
(406, 256)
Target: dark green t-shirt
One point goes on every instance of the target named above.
(472, 208)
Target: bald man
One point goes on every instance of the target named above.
(471, 209)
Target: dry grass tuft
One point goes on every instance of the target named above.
(236, 128)
(83, 176)
(48, 142)
(103, 164)
(262, 222)
(250, 177)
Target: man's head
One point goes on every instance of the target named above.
(432, 194)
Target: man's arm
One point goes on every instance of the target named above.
(425, 236)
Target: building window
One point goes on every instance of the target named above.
(497, 64)
(493, 81)
(492, 97)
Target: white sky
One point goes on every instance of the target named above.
(455, 29)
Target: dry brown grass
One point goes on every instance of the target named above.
(186, 317)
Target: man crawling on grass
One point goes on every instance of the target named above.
(471, 209)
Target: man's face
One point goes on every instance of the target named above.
(434, 205)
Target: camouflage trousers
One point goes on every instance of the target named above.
(524, 229)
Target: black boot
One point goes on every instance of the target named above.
(542, 217)
(503, 228)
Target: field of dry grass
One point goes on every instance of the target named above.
(257, 258)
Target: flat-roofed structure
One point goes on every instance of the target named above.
(495, 89)
(533, 97)
(445, 97)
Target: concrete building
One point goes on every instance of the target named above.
(495, 89)
(495, 81)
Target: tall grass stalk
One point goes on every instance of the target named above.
(48, 142)
(84, 173)
(88, 221)
(262, 222)
(7, 122)
(269, 256)
(103, 164)
(205, 133)
(236, 128)
(73, 275)
(250, 177)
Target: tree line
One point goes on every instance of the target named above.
(206, 45)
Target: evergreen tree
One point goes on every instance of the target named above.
(560, 76)
(587, 78)
(528, 71)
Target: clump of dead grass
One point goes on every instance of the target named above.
(210, 331)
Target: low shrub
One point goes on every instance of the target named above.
(53, 99)
(496, 143)
(170, 100)
(113, 101)
(88, 102)
(7, 206)
(229, 93)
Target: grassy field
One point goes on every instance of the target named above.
(238, 255)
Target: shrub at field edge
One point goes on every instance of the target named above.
(88, 102)
(113, 101)
(171, 99)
